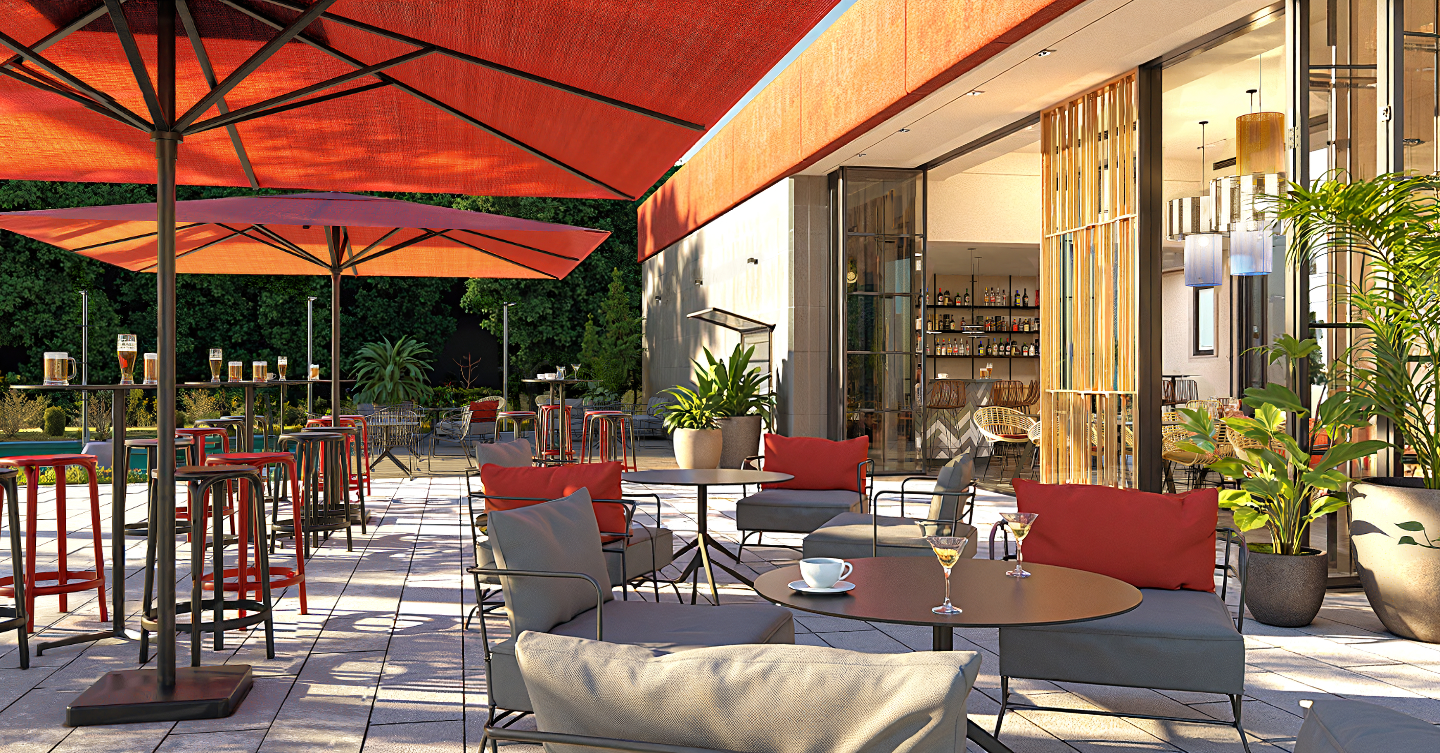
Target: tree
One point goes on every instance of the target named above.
(614, 348)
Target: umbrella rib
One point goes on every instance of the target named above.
(201, 247)
(499, 68)
(520, 245)
(83, 101)
(178, 228)
(494, 255)
(286, 246)
(182, 7)
(137, 63)
(95, 95)
(260, 109)
(378, 241)
(298, 105)
(79, 23)
(254, 61)
(425, 236)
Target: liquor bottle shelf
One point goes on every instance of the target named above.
(986, 333)
(985, 308)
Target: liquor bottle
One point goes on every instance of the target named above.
(967, 296)
(1026, 300)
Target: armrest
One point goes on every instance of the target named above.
(1233, 537)
(865, 483)
(586, 741)
(599, 594)
(1004, 539)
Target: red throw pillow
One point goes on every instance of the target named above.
(1147, 540)
(547, 483)
(815, 463)
(483, 411)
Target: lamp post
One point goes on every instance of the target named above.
(309, 352)
(505, 352)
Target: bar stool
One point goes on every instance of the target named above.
(517, 419)
(267, 463)
(325, 507)
(229, 423)
(364, 425)
(151, 447)
(610, 428)
(552, 438)
(203, 480)
(67, 581)
(17, 617)
(354, 440)
(201, 435)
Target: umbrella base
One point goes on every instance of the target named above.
(135, 695)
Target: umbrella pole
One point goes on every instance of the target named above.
(164, 693)
(335, 347)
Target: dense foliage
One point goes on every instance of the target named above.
(389, 373)
(612, 349)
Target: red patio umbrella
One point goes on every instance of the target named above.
(588, 99)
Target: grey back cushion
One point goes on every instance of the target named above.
(1344, 726)
(516, 454)
(556, 536)
(954, 477)
(761, 698)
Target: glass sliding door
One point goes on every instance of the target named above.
(882, 246)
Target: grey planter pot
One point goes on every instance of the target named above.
(739, 439)
(1286, 590)
(1402, 582)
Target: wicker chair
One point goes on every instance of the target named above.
(1008, 394)
(1004, 428)
(1197, 465)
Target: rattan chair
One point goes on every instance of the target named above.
(1005, 428)
(1197, 465)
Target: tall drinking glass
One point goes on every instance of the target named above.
(257, 370)
(217, 362)
(152, 368)
(237, 371)
(281, 364)
(947, 549)
(314, 372)
(126, 346)
(1019, 524)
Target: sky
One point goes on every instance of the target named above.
(760, 85)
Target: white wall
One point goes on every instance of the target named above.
(996, 207)
(1212, 373)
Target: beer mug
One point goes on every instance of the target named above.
(152, 368)
(56, 371)
(217, 358)
(257, 371)
(126, 346)
(314, 372)
(237, 370)
(281, 365)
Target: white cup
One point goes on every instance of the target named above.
(824, 572)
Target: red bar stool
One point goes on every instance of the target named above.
(364, 425)
(612, 431)
(67, 581)
(280, 577)
(517, 420)
(201, 435)
(552, 436)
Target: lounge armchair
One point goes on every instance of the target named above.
(830, 478)
(1181, 637)
(853, 534)
(1344, 726)
(551, 568)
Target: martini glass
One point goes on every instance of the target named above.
(947, 549)
(1019, 523)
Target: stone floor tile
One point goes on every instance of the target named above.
(439, 737)
(230, 741)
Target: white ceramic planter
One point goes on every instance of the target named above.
(697, 448)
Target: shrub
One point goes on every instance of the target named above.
(55, 420)
(20, 411)
(198, 404)
(100, 419)
(181, 420)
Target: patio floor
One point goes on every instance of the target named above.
(381, 662)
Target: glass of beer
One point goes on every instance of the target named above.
(126, 346)
(152, 368)
(314, 372)
(281, 364)
(217, 358)
(257, 371)
(59, 367)
(237, 371)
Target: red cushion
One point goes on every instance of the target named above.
(546, 483)
(483, 411)
(1147, 540)
(815, 463)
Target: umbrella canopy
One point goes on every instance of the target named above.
(287, 235)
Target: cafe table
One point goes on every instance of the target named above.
(903, 590)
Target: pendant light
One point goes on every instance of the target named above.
(1259, 149)
(1204, 251)
(1260, 138)
(1252, 252)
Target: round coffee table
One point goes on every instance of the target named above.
(902, 590)
(702, 479)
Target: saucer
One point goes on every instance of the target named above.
(804, 588)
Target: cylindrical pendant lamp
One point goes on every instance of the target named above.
(1252, 252)
(1203, 260)
(1260, 143)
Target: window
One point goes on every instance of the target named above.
(1204, 321)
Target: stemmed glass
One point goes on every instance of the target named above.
(574, 371)
(1019, 523)
(947, 549)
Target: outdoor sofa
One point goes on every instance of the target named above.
(830, 478)
(1337, 725)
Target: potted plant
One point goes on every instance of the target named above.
(742, 403)
(691, 421)
(1394, 364)
(389, 373)
(1280, 488)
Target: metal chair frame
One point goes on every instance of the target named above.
(15, 617)
(453, 427)
(964, 511)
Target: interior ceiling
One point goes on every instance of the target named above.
(1093, 43)
(956, 258)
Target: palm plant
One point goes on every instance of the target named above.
(389, 373)
(690, 409)
(739, 389)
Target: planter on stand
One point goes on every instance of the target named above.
(740, 439)
(1286, 590)
(697, 448)
(1401, 581)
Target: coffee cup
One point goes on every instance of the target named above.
(824, 572)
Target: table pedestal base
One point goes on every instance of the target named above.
(135, 695)
(943, 639)
(704, 542)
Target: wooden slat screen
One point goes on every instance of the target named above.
(1088, 281)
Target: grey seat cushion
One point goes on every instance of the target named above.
(848, 536)
(664, 627)
(643, 542)
(780, 699)
(1175, 640)
(1336, 726)
(556, 536)
(794, 510)
(513, 454)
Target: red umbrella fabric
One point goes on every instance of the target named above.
(286, 235)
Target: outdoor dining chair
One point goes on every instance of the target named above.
(392, 429)
(453, 427)
(1007, 430)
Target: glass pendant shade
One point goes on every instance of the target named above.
(1260, 143)
(1252, 252)
(1203, 268)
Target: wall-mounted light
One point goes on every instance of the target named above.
(1044, 53)
(903, 130)
(658, 299)
(752, 260)
(699, 281)
(862, 154)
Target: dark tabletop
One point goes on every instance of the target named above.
(705, 477)
(903, 590)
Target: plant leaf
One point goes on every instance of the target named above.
(1413, 526)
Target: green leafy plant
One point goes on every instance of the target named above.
(690, 409)
(1279, 490)
(614, 347)
(1415, 526)
(739, 389)
(54, 422)
(389, 373)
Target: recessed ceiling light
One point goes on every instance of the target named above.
(862, 154)
(974, 93)
(904, 130)
(1043, 53)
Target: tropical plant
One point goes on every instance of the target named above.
(389, 373)
(739, 389)
(690, 409)
(1279, 488)
(1392, 224)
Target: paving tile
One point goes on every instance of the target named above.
(230, 741)
(440, 737)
